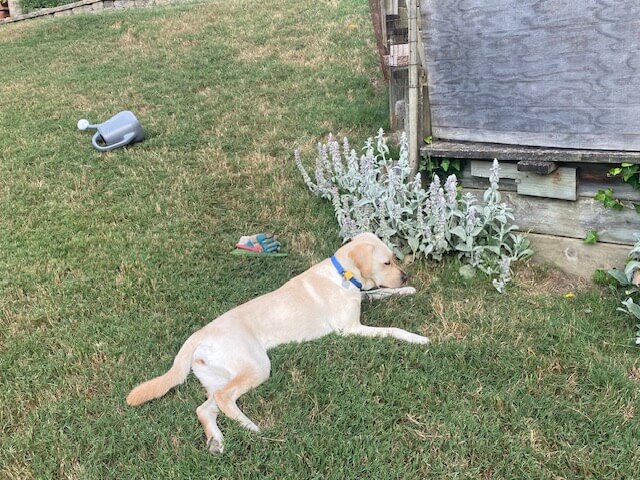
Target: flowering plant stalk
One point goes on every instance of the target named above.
(374, 192)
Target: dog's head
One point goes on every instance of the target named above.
(373, 263)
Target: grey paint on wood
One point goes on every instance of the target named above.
(536, 166)
(555, 73)
(561, 184)
(575, 257)
(571, 219)
(587, 188)
(454, 149)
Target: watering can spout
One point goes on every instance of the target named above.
(84, 124)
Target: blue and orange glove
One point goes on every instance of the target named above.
(259, 243)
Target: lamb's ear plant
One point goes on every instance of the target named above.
(629, 280)
(374, 192)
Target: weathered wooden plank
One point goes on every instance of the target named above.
(610, 141)
(561, 184)
(500, 15)
(621, 191)
(15, 9)
(455, 149)
(391, 7)
(539, 119)
(480, 183)
(375, 8)
(534, 73)
(537, 166)
(398, 55)
(527, 28)
(574, 257)
(571, 219)
(571, 42)
(586, 188)
(503, 85)
(481, 168)
(398, 96)
(568, 80)
(401, 22)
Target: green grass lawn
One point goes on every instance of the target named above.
(109, 261)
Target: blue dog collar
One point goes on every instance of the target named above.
(346, 274)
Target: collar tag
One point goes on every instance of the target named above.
(347, 275)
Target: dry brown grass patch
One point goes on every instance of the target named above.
(450, 325)
(305, 244)
(185, 23)
(627, 412)
(535, 280)
(14, 31)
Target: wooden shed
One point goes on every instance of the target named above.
(552, 90)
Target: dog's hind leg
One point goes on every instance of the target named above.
(227, 372)
(208, 415)
(226, 397)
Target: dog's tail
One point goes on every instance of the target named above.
(178, 373)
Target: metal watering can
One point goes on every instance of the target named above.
(120, 130)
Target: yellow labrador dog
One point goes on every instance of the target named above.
(229, 355)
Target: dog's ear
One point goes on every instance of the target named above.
(362, 257)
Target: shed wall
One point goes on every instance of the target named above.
(553, 73)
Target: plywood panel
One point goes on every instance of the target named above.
(555, 73)
(604, 141)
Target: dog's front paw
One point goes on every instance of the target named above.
(406, 291)
(382, 293)
(420, 339)
(215, 446)
(251, 426)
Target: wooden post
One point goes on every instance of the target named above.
(15, 8)
(376, 19)
(412, 15)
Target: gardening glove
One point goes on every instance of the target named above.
(261, 242)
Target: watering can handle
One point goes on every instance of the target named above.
(105, 148)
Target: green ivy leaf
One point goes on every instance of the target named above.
(628, 173)
(603, 195)
(592, 237)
